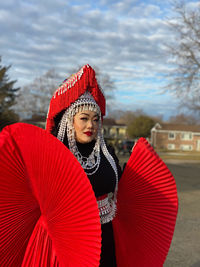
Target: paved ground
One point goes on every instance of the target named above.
(185, 247)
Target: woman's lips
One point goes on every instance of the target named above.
(88, 133)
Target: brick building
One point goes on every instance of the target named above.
(176, 137)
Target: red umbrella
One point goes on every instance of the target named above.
(146, 210)
(48, 211)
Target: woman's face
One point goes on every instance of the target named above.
(86, 125)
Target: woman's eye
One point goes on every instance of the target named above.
(83, 119)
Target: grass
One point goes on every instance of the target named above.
(166, 155)
(180, 155)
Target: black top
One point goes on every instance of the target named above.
(103, 181)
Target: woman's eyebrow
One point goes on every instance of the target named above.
(84, 114)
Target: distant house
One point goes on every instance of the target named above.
(176, 137)
(113, 130)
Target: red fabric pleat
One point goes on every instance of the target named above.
(40, 251)
(19, 209)
(146, 210)
(48, 210)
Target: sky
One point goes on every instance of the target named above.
(124, 39)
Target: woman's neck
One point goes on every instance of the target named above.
(85, 148)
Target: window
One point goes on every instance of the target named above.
(171, 136)
(113, 132)
(186, 136)
(186, 147)
(171, 146)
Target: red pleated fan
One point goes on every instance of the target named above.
(48, 211)
(146, 210)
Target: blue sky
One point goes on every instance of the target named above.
(122, 38)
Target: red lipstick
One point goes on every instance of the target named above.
(88, 133)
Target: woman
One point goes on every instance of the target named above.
(75, 118)
(146, 201)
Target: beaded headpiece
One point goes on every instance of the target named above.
(82, 92)
(71, 89)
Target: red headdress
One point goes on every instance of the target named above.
(71, 89)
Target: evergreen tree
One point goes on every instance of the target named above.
(140, 127)
(7, 98)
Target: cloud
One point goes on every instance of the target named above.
(91, 34)
(122, 38)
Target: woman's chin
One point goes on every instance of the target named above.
(85, 139)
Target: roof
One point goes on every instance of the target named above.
(177, 127)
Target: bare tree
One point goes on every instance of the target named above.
(106, 83)
(35, 97)
(128, 116)
(125, 116)
(184, 119)
(184, 78)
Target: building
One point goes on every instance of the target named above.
(116, 131)
(176, 137)
(113, 132)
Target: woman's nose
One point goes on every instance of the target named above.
(90, 124)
